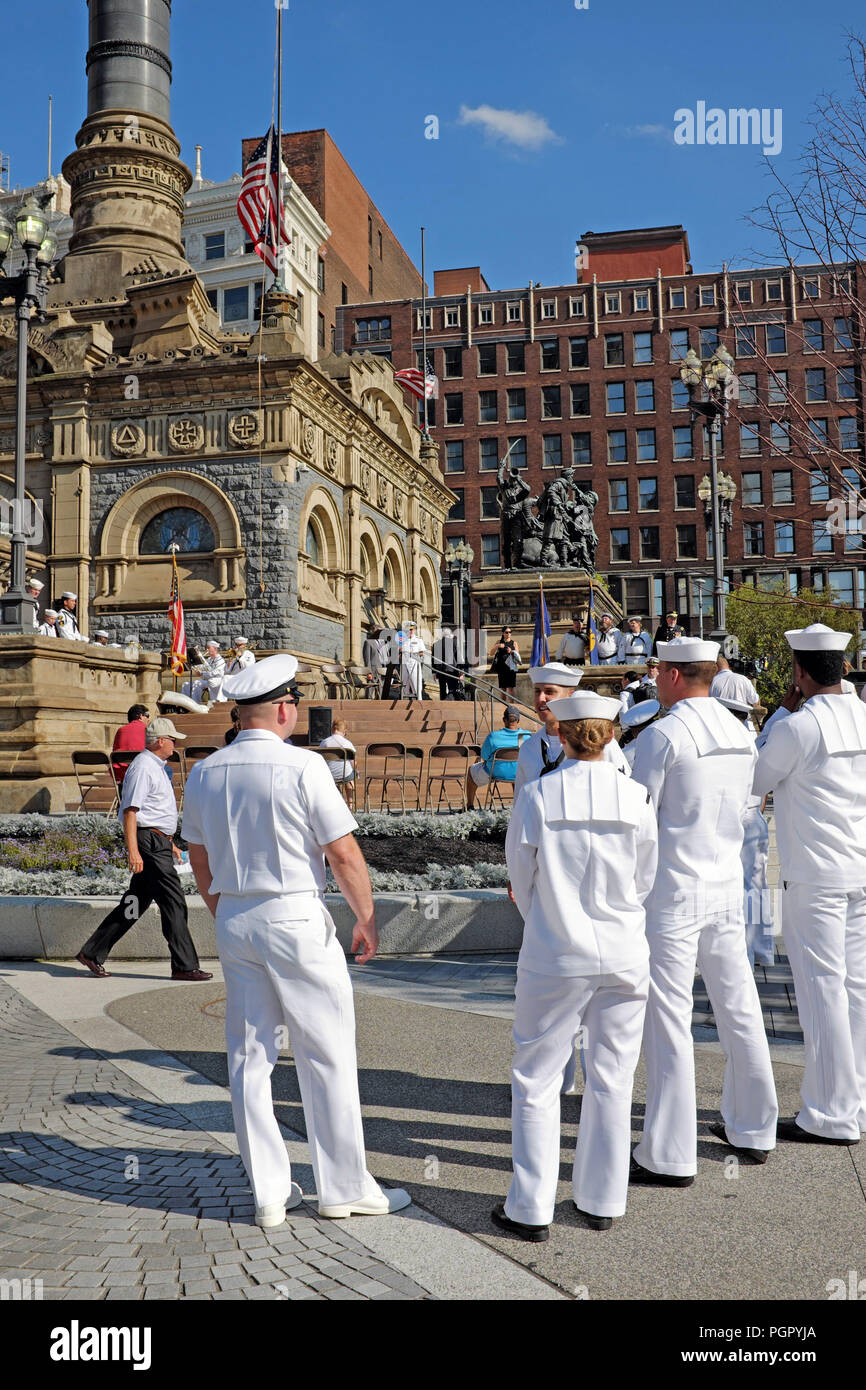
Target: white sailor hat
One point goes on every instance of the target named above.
(735, 706)
(687, 649)
(67, 593)
(585, 704)
(100, 632)
(242, 642)
(212, 643)
(270, 679)
(50, 613)
(817, 637)
(555, 673)
(35, 584)
(639, 714)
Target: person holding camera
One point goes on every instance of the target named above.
(505, 660)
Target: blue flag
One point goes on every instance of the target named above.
(593, 630)
(540, 654)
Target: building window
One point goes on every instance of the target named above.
(452, 316)
(649, 543)
(617, 449)
(577, 306)
(643, 348)
(489, 504)
(453, 363)
(214, 246)
(485, 313)
(419, 320)
(819, 486)
(488, 453)
(842, 335)
(614, 350)
(644, 396)
(615, 397)
(321, 331)
(750, 439)
(516, 403)
(581, 449)
(847, 432)
(753, 538)
(822, 541)
(458, 510)
(618, 492)
(641, 301)
(488, 407)
(372, 330)
(370, 279)
(683, 446)
(548, 308)
(816, 384)
(780, 436)
(454, 408)
(777, 341)
(620, 543)
(783, 487)
(819, 437)
(430, 416)
(842, 587)
(550, 355)
(679, 344)
(454, 456)
(486, 359)
(514, 311)
(687, 542)
(320, 275)
(580, 399)
(752, 490)
(745, 341)
(515, 357)
(707, 296)
(777, 388)
(709, 342)
(552, 450)
(679, 395)
(578, 352)
(551, 403)
(612, 302)
(646, 445)
(648, 494)
(845, 384)
(213, 299)
(784, 536)
(684, 491)
(236, 304)
(677, 297)
(813, 335)
(773, 291)
(853, 535)
(380, 246)
(517, 456)
(810, 287)
(743, 292)
(489, 551)
(369, 231)
(747, 383)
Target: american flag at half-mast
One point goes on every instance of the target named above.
(175, 617)
(412, 379)
(259, 201)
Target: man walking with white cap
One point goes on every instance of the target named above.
(242, 658)
(260, 817)
(148, 812)
(813, 760)
(543, 751)
(697, 764)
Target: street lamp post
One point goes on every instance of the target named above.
(716, 378)
(459, 559)
(29, 289)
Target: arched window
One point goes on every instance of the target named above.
(311, 544)
(180, 526)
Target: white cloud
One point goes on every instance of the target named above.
(648, 132)
(525, 129)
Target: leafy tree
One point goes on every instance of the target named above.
(759, 620)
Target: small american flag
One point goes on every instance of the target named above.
(175, 617)
(259, 200)
(412, 379)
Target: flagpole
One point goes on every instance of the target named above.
(426, 430)
(279, 279)
(544, 647)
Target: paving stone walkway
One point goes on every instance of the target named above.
(107, 1194)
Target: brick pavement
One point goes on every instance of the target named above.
(105, 1193)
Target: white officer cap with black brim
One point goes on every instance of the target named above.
(687, 649)
(639, 714)
(585, 704)
(817, 638)
(555, 673)
(271, 679)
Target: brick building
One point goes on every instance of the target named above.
(362, 259)
(588, 374)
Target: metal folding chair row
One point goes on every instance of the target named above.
(94, 773)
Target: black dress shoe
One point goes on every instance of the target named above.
(595, 1223)
(756, 1155)
(789, 1129)
(191, 975)
(93, 965)
(637, 1174)
(517, 1228)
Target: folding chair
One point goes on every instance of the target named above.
(337, 685)
(453, 758)
(345, 782)
(194, 755)
(392, 769)
(178, 787)
(122, 760)
(495, 785)
(95, 777)
(416, 755)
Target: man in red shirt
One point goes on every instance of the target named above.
(129, 738)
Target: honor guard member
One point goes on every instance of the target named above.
(148, 812)
(813, 760)
(608, 644)
(260, 817)
(100, 638)
(34, 588)
(48, 626)
(67, 623)
(572, 648)
(632, 723)
(755, 856)
(636, 645)
(581, 851)
(543, 751)
(697, 764)
(242, 658)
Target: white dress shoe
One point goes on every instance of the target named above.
(275, 1213)
(381, 1203)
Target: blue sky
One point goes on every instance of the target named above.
(553, 120)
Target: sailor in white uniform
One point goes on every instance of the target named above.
(543, 751)
(48, 626)
(581, 851)
(212, 674)
(698, 763)
(755, 856)
(242, 658)
(412, 657)
(813, 760)
(67, 623)
(260, 817)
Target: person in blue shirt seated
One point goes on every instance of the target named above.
(509, 736)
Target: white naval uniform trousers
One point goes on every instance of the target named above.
(814, 761)
(698, 764)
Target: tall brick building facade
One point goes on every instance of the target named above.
(363, 260)
(588, 374)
